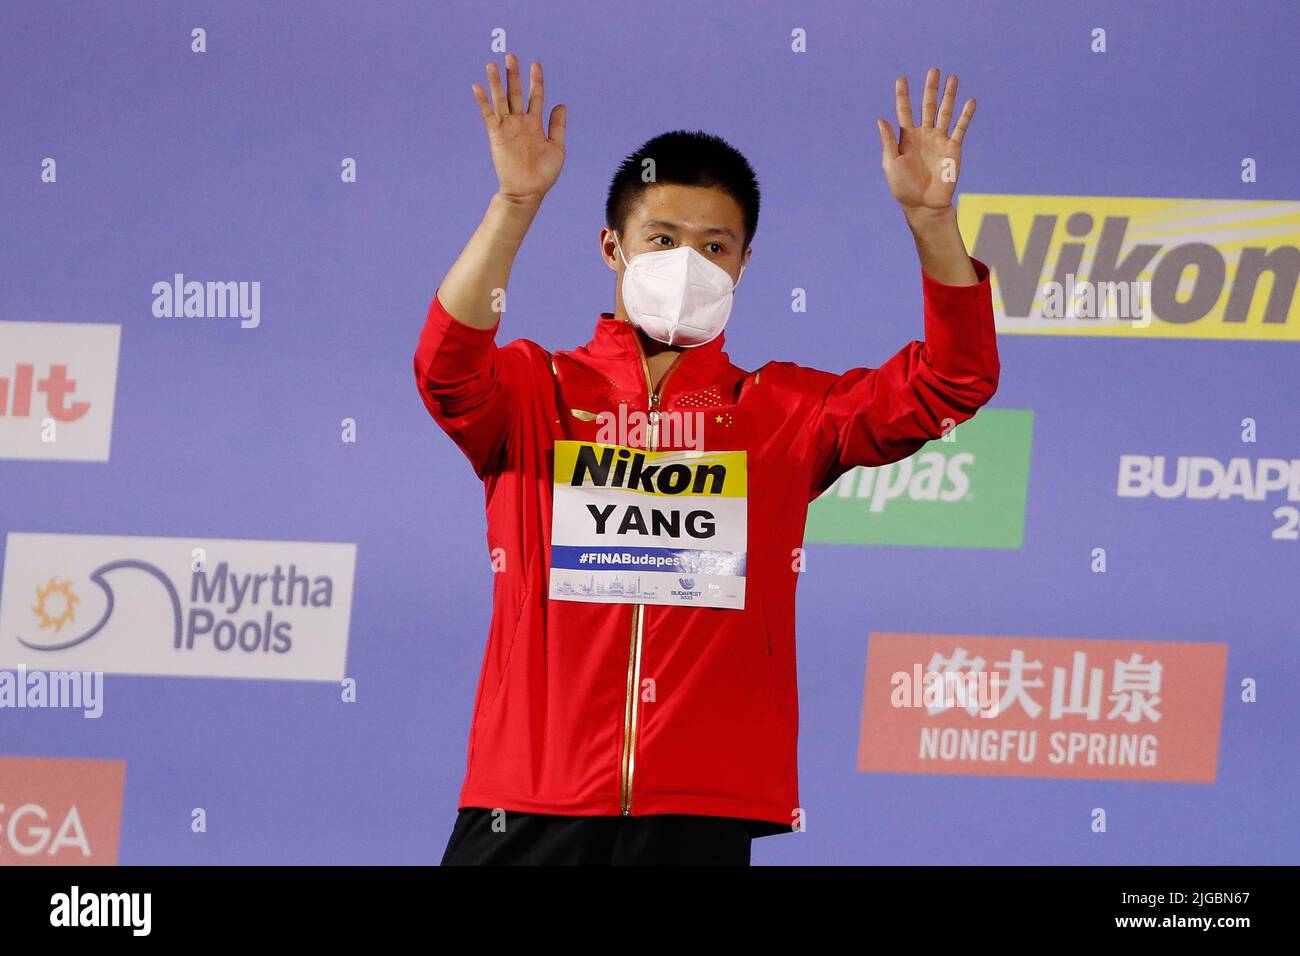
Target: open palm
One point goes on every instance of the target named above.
(527, 160)
(922, 165)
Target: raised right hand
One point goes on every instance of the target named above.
(526, 158)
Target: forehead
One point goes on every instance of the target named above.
(698, 208)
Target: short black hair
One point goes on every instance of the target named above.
(684, 158)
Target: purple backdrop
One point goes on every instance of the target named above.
(226, 165)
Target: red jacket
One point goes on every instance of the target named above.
(601, 709)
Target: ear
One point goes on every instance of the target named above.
(608, 249)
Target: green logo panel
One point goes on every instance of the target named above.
(965, 493)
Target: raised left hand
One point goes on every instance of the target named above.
(922, 165)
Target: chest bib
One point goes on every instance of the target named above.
(631, 526)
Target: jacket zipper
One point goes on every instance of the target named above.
(631, 711)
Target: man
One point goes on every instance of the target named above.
(637, 701)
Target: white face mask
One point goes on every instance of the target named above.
(677, 296)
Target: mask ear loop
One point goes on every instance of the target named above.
(619, 246)
(627, 265)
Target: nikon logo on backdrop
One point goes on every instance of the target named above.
(968, 492)
(1152, 268)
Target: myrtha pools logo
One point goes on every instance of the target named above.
(173, 606)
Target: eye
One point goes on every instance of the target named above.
(719, 250)
(655, 239)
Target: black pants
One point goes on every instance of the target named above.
(544, 839)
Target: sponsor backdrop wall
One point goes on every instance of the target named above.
(1115, 536)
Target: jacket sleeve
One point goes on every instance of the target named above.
(877, 416)
(469, 386)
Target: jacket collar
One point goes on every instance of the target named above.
(615, 341)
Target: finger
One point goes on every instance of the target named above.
(559, 119)
(888, 145)
(945, 105)
(930, 96)
(902, 103)
(499, 104)
(489, 114)
(963, 121)
(535, 90)
(514, 88)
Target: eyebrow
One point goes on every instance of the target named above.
(665, 224)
